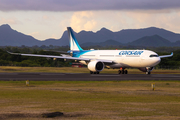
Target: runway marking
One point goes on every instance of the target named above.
(51, 74)
(163, 76)
(105, 75)
(85, 76)
(9, 73)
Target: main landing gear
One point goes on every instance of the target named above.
(122, 71)
(91, 72)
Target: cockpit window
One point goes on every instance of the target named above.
(153, 56)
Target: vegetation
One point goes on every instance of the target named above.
(7, 59)
(11, 69)
(90, 100)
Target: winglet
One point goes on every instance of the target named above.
(8, 52)
(13, 53)
(164, 56)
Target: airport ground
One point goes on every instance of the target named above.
(12, 69)
(124, 100)
(90, 100)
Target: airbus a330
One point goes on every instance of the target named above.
(97, 60)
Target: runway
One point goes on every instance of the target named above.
(84, 77)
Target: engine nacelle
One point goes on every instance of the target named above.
(95, 66)
(146, 69)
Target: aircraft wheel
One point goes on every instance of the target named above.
(91, 72)
(148, 73)
(125, 72)
(119, 71)
(97, 72)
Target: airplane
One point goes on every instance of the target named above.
(97, 60)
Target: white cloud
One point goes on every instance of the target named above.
(117, 20)
(9, 21)
(84, 20)
(89, 25)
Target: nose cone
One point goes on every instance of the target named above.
(155, 61)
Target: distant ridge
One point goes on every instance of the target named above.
(11, 37)
(151, 36)
(151, 41)
(105, 43)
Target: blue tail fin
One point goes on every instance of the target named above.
(73, 42)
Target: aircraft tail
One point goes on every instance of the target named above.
(74, 45)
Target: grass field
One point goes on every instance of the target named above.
(90, 100)
(78, 70)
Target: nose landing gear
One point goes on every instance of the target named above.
(149, 69)
(148, 73)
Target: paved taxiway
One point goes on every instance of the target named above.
(84, 77)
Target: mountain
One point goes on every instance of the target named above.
(123, 36)
(8, 36)
(99, 36)
(177, 43)
(151, 36)
(105, 43)
(130, 35)
(110, 43)
(151, 41)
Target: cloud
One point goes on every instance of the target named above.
(118, 20)
(83, 21)
(86, 5)
(53, 24)
(9, 21)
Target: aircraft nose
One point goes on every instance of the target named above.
(156, 61)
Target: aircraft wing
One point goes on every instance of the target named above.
(61, 52)
(164, 56)
(62, 57)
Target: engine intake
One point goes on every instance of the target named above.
(96, 66)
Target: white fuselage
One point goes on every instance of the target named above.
(124, 58)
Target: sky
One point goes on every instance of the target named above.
(44, 19)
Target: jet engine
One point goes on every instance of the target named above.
(95, 66)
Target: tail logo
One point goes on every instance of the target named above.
(74, 45)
